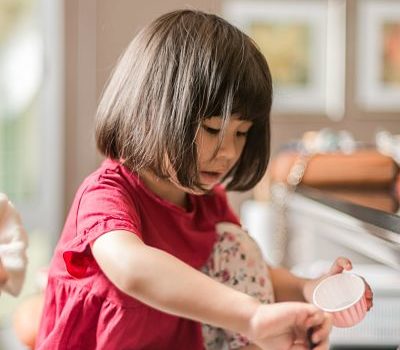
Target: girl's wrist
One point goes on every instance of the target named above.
(251, 306)
(308, 288)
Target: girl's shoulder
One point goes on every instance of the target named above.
(105, 202)
(111, 179)
(111, 188)
(112, 172)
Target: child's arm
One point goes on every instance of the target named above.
(166, 283)
(288, 287)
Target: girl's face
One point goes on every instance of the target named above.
(213, 168)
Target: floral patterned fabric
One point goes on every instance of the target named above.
(236, 261)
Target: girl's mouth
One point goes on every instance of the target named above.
(210, 177)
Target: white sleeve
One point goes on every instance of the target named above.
(13, 244)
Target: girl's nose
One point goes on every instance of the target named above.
(229, 148)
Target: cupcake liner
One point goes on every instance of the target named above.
(342, 295)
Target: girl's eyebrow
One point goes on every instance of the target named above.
(247, 122)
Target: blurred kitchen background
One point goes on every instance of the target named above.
(336, 68)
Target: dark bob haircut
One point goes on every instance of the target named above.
(185, 67)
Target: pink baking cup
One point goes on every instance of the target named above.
(342, 295)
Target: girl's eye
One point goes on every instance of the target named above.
(242, 133)
(211, 131)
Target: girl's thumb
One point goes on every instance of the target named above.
(339, 265)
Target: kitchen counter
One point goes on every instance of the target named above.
(325, 224)
(376, 207)
(372, 229)
(315, 227)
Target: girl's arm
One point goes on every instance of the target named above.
(167, 284)
(287, 287)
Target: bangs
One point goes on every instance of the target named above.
(252, 99)
(247, 92)
(247, 87)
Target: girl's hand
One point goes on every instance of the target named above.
(3, 274)
(338, 266)
(369, 295)
(13, 244)
(287, 326)
(3, 204)
(3, 208)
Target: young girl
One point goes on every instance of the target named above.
(151, 256)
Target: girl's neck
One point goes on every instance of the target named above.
(165, 189)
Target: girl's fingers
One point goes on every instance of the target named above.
(314, 331)
(3, 274)
(321, 334)
(324, 345)
(314, 320)
(3, 201)
(340, 264)
(369, 298)
(321, 344)
(369, 294)
(319, 319)
(368, 289)
(299, 347)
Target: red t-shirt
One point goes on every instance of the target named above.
(83, 309)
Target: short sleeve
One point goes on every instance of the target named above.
(105, 205)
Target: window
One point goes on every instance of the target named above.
(30, 123)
